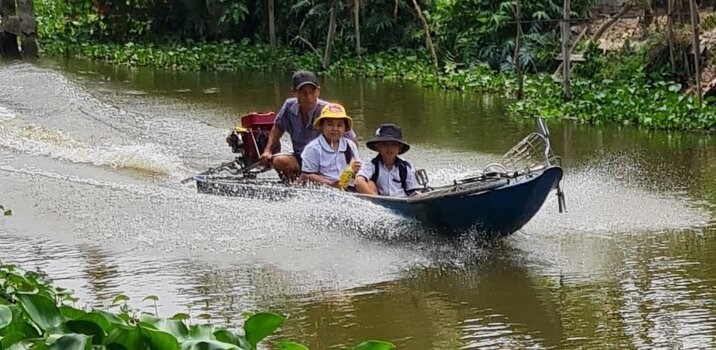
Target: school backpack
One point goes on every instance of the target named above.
(402, 171)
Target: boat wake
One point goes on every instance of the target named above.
(38, 140)
(600, 203)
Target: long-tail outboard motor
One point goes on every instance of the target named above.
(235, 142)
(250, 138)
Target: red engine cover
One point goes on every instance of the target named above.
(259, 127)
(255, 119)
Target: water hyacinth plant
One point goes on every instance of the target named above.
(36, 315)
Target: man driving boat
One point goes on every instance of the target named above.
(297, 116)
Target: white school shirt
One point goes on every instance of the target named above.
(319, 158)
(388, 182)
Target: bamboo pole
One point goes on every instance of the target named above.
(356, 22)
(272, 24)
(571, 49)
(518, 46)
(697, 48)
(566, 27)
(331, 34)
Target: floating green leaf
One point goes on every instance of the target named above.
(70, 313)
(9, 339)
(287, 345)
(181, 316)
(202, 331)
(159, 339)
(99, 319)
(72, 342)
(207, 345)
(676, 87)
(129, 338)
(153, 298)
(225, 336)
(112, 318)
(41, 310)
(5, 316)
(119, 298)
(260, 325)
(176, 328)
(88, 328)
(374, 345)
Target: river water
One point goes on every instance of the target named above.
(91, 157)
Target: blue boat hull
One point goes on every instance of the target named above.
(494, 212)
(492, 208)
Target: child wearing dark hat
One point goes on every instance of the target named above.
(387, 174)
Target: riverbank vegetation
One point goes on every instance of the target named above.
(34, 314)
(466, 45)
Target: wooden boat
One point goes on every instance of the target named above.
(496, 201)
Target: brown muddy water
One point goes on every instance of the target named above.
(90, 162)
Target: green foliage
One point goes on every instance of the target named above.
(618, 88)
(5, 211)
(485, 30)
(41, 310)
(224, 55)
(708, 23)
(34, 314)
(600, 66)
(300, 25)
(464, 31)
(65, 24)
(654, 106)
(475, 40)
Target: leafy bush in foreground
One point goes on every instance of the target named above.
(36, 315)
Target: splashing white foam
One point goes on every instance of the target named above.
(40, 141)
(6, 114)
(601, 205)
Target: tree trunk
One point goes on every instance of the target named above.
(27, 28)
(566, 28)
(426, 29)
(9, 40)
(331, 34)
(697, 48)
(356, 22)
(272, 25)
(211, 23)
(518, 46)
(670, 32)
(598, 34)
(647, 19)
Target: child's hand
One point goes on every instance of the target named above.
(356, 166)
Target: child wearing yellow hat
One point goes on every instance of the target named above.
(327, 155)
